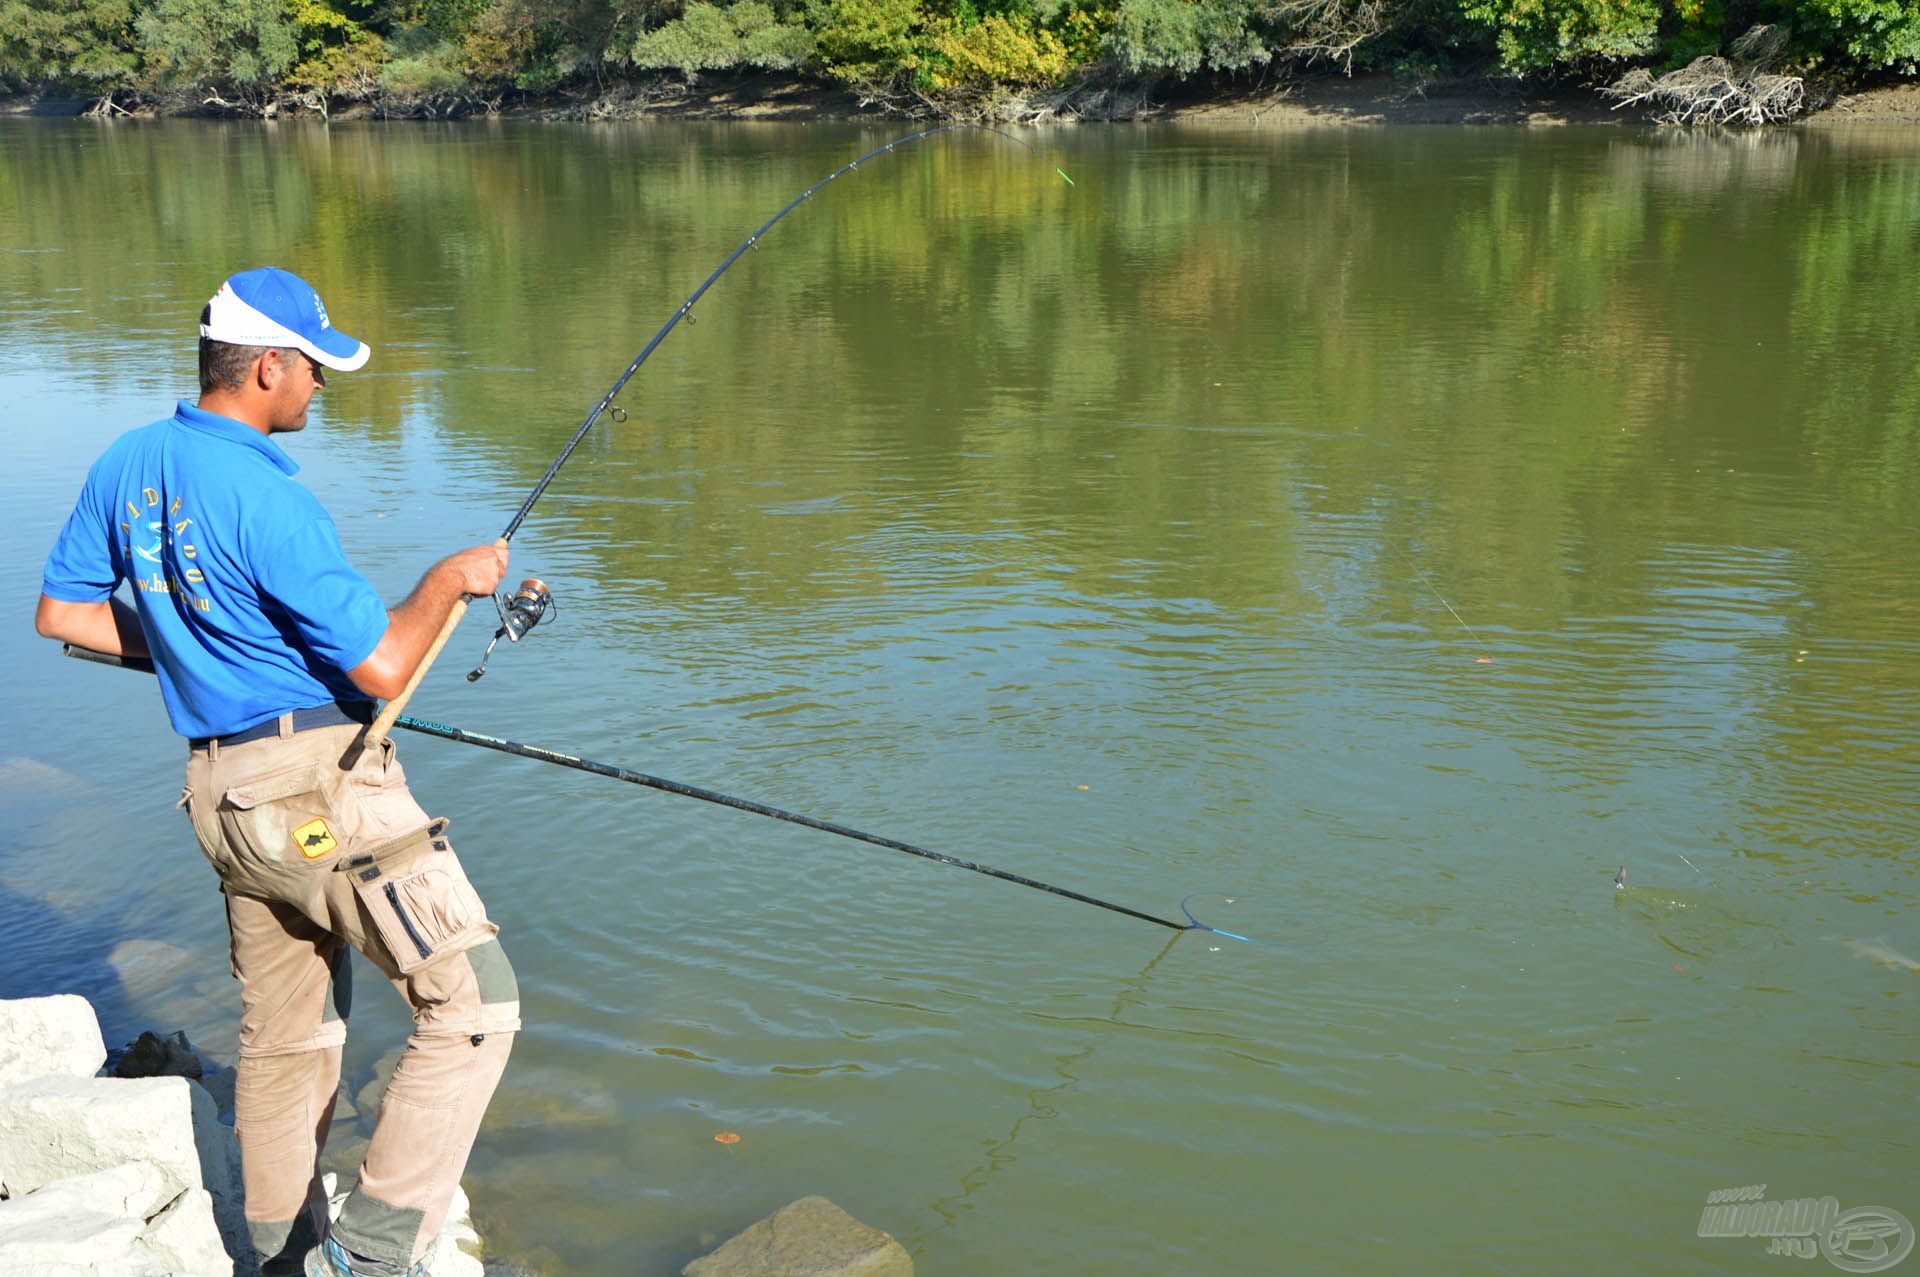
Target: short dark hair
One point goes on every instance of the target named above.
(223, 365)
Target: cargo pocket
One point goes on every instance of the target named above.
(422, 905)
(377, 791)
(282, 818)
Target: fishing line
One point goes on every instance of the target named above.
(509, 629)
(1428, 582)
(531, 602)
(686, 307)
(631, 777)
(1043, 1103)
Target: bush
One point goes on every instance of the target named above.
(1181, 37)
(1534, 35)
(709, 37)
(423, 65)
(1875, 33)
(867, 40)
(995, 50)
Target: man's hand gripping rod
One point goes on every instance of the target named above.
(383, 722)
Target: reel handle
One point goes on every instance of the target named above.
(518, 614)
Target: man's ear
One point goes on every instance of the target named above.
(268, 370)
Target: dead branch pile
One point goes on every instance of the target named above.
(1084, 99)
(1738, 90)
(1330, 29)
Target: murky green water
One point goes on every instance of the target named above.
(1395, 531)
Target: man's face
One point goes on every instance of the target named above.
(299, 377)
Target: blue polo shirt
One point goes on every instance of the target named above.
(249, 605)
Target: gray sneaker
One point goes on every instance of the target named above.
(331, 1259)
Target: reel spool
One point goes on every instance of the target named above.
(526, 608)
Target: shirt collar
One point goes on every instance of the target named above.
(232, 431)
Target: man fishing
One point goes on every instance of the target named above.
(270, 648)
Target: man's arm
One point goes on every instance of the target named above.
(107, 626)
(412, 627)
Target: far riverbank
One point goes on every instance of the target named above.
(1324, 100)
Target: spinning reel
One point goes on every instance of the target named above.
(518, 614)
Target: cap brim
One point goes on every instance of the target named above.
(336, 350)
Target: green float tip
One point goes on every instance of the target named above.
(1063, 173)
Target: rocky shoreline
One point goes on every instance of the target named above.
(128, 1167)
(108, 1175)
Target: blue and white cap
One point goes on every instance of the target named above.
(271, 307)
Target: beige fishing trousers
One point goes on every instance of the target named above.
(313, 858)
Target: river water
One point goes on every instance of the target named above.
(1386, 535)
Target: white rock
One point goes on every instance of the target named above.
(98, 1224)
(119, 1265)
(455, 1249)
(124, 1220)
(184, 1239)
(56, 1036)
(76, 1242)
(134, 1190)
(220, 1084)
(54, 1127)
(76, 1225)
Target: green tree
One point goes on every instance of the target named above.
(217, 43)
(89, 42)
(540, 44)
(338, 55)
(869, 40)
(711, 37)
(1874, 33)
(1535, 35)
(1182, 37)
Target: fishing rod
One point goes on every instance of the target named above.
(530, 602)
(559, 759)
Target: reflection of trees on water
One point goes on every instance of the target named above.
(1250, 377)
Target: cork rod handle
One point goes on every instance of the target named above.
(383, 722)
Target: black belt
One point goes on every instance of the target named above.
(333, 715)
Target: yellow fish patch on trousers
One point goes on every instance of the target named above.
(314, 839)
